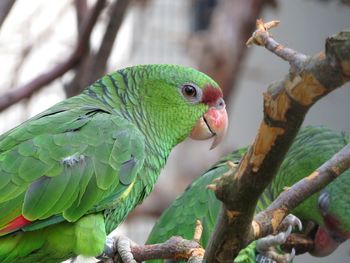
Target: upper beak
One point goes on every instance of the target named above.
(212, 124)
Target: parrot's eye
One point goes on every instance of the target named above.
(189, 91)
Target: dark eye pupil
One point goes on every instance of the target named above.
(190, 91)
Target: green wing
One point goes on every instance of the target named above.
(311, 148)
(65, 162)
(195, 203)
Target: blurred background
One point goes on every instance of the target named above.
(50, 50)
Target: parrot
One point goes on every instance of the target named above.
(328, 209)
(71, 174)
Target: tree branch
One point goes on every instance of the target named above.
(94, 65)
(117, 14)
(5, 8)
(231, 22)
(300, 242)
(175, 248)
(261, 37)
(81, 8)
(26, 90)
(285, 106)
(267, 221)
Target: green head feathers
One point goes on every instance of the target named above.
(165, 101)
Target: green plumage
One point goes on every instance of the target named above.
(312, 147)
(77, 169)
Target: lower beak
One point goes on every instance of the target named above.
(325, 243)
(212, 124)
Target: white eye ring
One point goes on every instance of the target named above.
(191, 92)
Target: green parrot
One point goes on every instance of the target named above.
(71, 174)
(329, 209)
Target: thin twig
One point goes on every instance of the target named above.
(25, 52)
(117, 14)
(5, 8)
(231, 23)
(94, 66)
(81, 8)
(262, 37)
(26, 90)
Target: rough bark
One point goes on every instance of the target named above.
(175, 248)
(285, 105)
(300, 242)
(267, 221)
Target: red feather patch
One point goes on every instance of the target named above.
(211, 95)
(15, 224)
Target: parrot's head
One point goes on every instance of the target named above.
(334, 206)
(179, 102)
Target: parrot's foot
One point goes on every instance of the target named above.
(120, 245)
(273, 256)
(266, 247)
(291, 221)
(263, 259)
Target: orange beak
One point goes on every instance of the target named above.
(212, 124)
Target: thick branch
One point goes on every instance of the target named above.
(285, 106)
(266, 221)
(174, 248)
(45, 78)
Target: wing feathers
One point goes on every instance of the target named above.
(66, 164)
